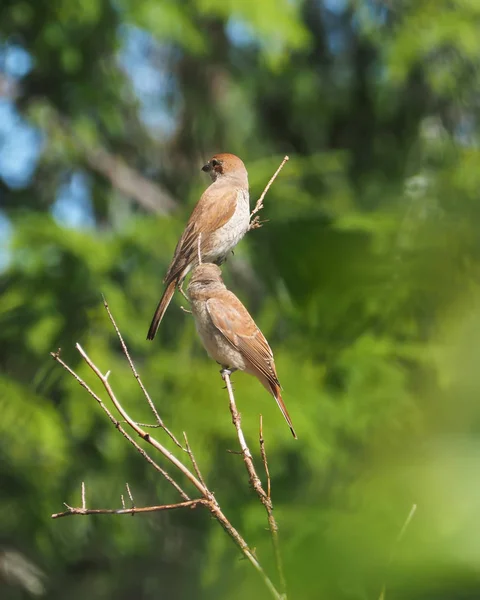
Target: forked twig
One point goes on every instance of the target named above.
(255, 480)
(116, 423)
(207, 497)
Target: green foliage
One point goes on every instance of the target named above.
(365, 280)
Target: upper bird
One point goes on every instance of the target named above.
(228, 332)
(221, 216)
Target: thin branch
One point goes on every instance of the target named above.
(143, 434)
(83, 496)
(192, 458)
(137, 376)
(259, 204)
(56, 356)
(247, 456)
(264, 457)
(127, 511)
(212, 504)
(407, 522)
(208, 497)
(255, 481)
(130, 495)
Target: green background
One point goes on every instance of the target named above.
(365, 280)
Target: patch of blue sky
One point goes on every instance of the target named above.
(239, 33)
(336, 6)
(20, 146)
(15, 61)
(141, 58)
(73, 205)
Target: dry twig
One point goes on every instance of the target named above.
(255, 222)
(137, 377)
(263, 454)
(207, 497)
(255, 480)
(116, 422)
(71, 510)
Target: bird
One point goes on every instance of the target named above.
(220, 220)
(228, 332)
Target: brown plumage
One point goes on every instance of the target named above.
(221, 216)
(228, 332)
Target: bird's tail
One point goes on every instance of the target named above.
(275, 389)
(161, 308)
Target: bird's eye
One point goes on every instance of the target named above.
(215, 162)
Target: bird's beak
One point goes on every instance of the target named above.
(206, 168)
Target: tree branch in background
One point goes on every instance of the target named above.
(149, 195)
(195, 478)
(255, 479)
(407, 522)
(19, 571)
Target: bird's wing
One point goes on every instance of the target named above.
(214, 209)
(234, 322)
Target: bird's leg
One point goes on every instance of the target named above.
(225, 371)
(182, 291)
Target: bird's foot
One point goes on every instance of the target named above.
(255, 223)
(225, 372)
(182, 291)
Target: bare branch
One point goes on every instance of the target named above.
(151, 196)
(130, 495)
(143, 434)
(208, 499)
(247, 456)
(212, 504)
(259, 205)
(137, 377)
(264, 457)
(192, 458)
(127, 511)
(255, 480)
(83, 496)
(56, 356)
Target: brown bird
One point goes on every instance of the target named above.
(228, 332)
(221, 216)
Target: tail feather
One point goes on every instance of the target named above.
(161, 308)
(275, 390)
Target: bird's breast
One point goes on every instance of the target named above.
(228, 236)
(213, 341)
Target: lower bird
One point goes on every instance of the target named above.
(228, 332)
